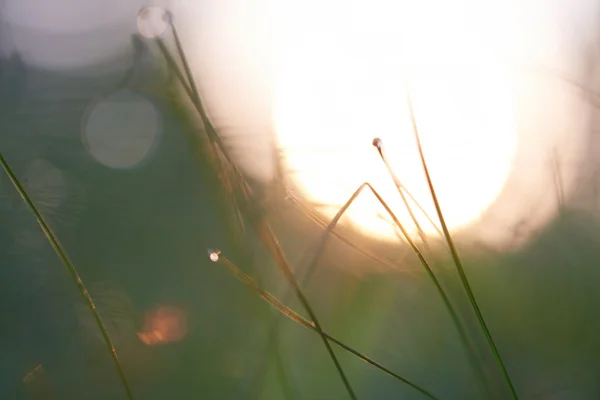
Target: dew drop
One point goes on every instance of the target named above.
(153, 21)
(377, 143)
(214, 255)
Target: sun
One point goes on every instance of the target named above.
(341, 83)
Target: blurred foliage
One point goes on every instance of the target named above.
(139, 238)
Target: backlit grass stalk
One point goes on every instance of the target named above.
(259, 223)
(364, 251)
(379, 146)
(454, 252)
(323, 241)
(294, 316)
(558, 184)
(378, 143)
(266, 234)
(64, 258)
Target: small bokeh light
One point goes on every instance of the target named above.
(153, 22)
(122, 129)
(164, 325)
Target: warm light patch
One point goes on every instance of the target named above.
(164, 325)
(328, 76)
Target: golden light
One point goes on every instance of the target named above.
(164, 325)
(343, 82)
(328, 76)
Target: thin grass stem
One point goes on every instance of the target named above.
(453, 314)
(558, 185)
(191, 93)
(64, 258)
(312, 215)
(294, 316)
(192, 89)
(403, 189)
(262, 228)
(378, 144)
(189, 85)
(266, 234)
(454, 252)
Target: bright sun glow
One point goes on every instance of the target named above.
(340, 82)
(328, 76)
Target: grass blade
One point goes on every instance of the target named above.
(293, 315)
(322, 242)
(378, 144)
(454, 252)
(364, 251)
(266, 234)
(64, 258)
(403, 191)
(260, 225)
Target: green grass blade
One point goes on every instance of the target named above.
(399, 187)
(378, 143)
(262, 228)
(458, 325)
(266, 234)
(403, 191)
(294, 316)
(364, 251)
(454, 253)
(64, 258)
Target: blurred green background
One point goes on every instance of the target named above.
(139, 237)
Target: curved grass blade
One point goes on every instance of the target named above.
(454, 252)
(313, 216)
(453, 314)
(64, 258)
(294, 316)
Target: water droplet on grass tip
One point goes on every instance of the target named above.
(377, 143)
(153, 21)
(213, 255)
